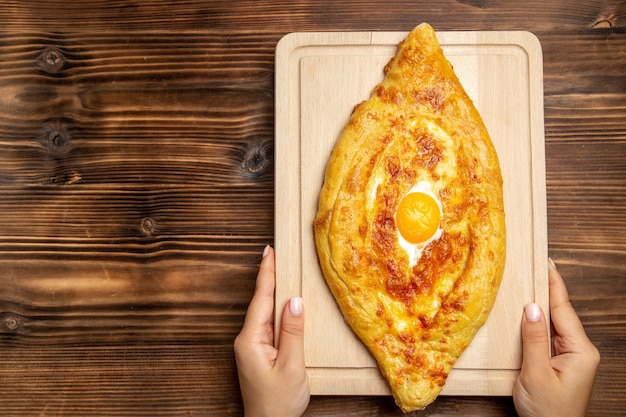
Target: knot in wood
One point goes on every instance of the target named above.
(148, 226)
(55, 134)
(11, 322)
(604, 22)
(57, 139)
(52, 60)
(256, 159)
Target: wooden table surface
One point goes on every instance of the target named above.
(136, 191)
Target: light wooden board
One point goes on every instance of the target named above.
(319, 79)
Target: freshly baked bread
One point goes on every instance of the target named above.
(410, 229)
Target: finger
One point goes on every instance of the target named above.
(535, 340)
(291, 336)
(261, 308)
(564, 318)
(558, 291)
(570, 335)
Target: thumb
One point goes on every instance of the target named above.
(291, 336)
(535, 340)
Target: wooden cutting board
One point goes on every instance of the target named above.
(319, 79)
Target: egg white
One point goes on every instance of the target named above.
(415, 250)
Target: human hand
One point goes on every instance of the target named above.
(272, 379)
(560, 385)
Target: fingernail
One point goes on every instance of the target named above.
(266, 250)
(552, 263)
(532, 312)
(295, 306)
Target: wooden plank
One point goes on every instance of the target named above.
(119, 380)
(320, 77)
(298, 15)
(226, 49)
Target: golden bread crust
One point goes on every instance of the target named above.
(418, 126)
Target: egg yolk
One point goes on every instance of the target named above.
(418, 217)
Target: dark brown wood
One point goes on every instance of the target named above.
(136, 191)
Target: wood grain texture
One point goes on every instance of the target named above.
(136, 191)
(324, 74)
